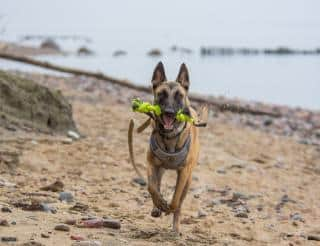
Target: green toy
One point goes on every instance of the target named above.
(144, 107)
(180, 116)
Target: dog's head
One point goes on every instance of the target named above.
(171, 96)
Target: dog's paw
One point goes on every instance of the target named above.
(171, 209)
(156, 212)
(162, 205)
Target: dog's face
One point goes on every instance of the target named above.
(172, 96)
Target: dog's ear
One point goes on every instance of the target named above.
(158, 76)
(183, 77)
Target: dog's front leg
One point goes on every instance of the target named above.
(154, 181)
(182, 180)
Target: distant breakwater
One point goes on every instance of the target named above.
(229, 51)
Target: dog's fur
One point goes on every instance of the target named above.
(172, 96)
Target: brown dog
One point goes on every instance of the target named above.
(173, 145)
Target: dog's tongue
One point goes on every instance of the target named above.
(168, 122)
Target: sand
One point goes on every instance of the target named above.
(251, 187)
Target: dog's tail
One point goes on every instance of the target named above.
(130, 141)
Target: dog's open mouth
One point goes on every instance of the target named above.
(168, 120)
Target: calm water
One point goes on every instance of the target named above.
(138, 26)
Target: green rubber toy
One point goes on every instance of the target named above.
(180, 116)
(144, 107)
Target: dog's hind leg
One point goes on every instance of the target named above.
(154, 182)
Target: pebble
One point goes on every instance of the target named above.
(215, 202)
(313, 237)
(32, 243)
(62, 227)
(4, 183)
(98, 223)
(45, 235)
(76, 237)
(139, 181)
(241, 215)
(238, 195)
(197, 196)
(74, 135)
(202, 214)
(67, 141)
(70, 222)
(80, 207)
(87, 243)
(296, 217)
(111, 223)
(8, 239)
(259, 207)
(47, 208)
(4, 222)
(6, 210)
(54, 187)
(221, 171)
(92, 223)
(66, 196)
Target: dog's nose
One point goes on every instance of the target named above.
(169, 111)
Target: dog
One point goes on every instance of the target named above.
(173, 145)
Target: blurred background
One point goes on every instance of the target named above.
(231, 47)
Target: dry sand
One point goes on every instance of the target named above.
(272, 180)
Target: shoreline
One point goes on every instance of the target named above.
(300, 123)
(303, 125)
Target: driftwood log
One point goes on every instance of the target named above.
(213, 102)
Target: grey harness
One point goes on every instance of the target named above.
(170, 160)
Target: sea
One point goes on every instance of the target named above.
(137, 27)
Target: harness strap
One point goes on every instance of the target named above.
(170, 160)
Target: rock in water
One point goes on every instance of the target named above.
(26, 103)
(50, 44)
(84, 51)
(155, 52)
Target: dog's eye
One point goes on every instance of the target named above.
(177, 96)
(162, 96)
